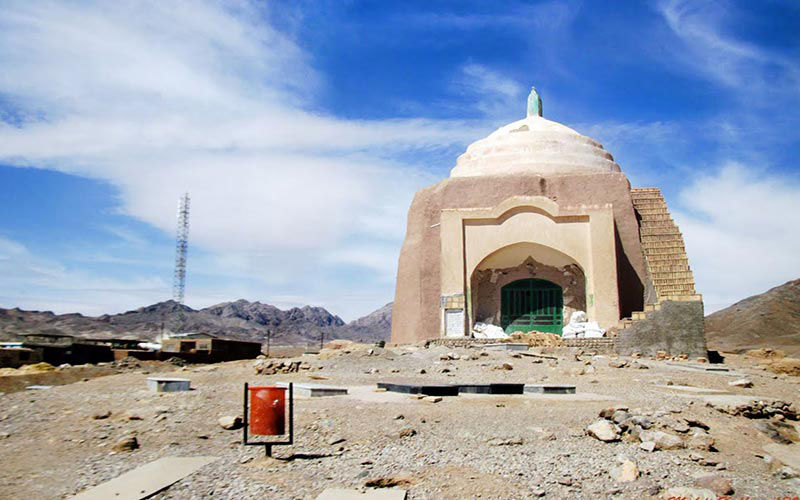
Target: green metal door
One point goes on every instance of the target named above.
(531, 304)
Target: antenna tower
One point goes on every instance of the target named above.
(181, 245)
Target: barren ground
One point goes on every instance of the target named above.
(52, 447)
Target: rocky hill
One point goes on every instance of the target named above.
(240, 319)
(770, 319)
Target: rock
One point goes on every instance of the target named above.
(432, 399)
(101, 415)
(684, 492)
(407, 433)
(715, 483)
(662, 440)
(453, 356)
(742, 382)
(788, 366)
(507, 366)
(337, 439)
(615, 363)
(662, 355)
(609, 412)
(128, 443)
(604, 431)
(647, 445)
(628, 471)
(676, 426)
(564, 481)
(5, 435)
(399, 417)
(778, 431)
(505, 441)
(538, 492)
(422, 371)
(696, 423)
(620, 416)
(230, 423)
(700, 440)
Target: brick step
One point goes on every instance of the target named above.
(668, 268)
(664, 230)
(662, 254)
(657, 224)
(674, 291)
(689, 297)
(665, 242)
(671, 274)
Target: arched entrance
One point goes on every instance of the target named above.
(531, 304)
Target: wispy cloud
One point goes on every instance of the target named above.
(739, 223)
(708, 49)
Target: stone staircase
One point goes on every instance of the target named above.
(664, 252)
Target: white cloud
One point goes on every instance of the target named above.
(31, 281)
(721, 57)
(159, 98)
(740, 228)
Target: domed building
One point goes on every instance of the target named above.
(536, 222)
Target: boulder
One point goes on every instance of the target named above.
(700, 440)
(715, 483)
(604, 431)
(663, 440)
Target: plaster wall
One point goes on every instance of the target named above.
(416, 314)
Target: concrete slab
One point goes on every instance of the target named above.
(146, 480)
(690, 389)
(788, 454)
(506, 346)
(315, 390)
(379, 494)
(166, 384)
(367, 394)
(491, 388)
(549, 389)
(428, 390)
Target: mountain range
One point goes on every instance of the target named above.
(240, 319)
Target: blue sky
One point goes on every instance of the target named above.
(302, 130)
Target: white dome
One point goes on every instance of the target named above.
(534, 145)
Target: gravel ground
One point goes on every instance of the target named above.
(491, 447)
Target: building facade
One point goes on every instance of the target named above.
(534, 223)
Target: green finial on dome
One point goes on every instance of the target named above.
(534, 103)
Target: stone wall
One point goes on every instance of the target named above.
(677, 328)
(487, 283)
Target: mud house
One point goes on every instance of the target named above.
(200, 348)
(535, 222)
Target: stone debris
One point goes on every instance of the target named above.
(273, 367)
(432, 399)
(230, 422)
(715, 483)
(700, 440)
(615, 363)
(742, 382)
(513, 441)
(128, 443)
(101, 415)
(408, 432)
(759, 409)
(626, 472)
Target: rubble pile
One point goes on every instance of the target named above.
(760, 409)
(653, 433)
(275, 366)
(536, 339)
